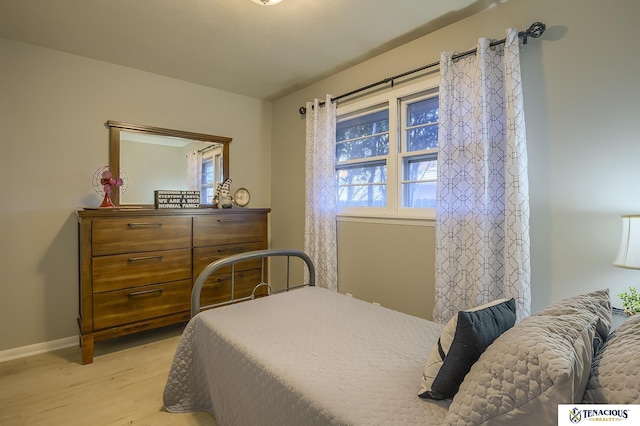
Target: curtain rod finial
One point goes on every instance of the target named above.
(302, 111)
(536, 29)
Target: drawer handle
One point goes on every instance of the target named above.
(138, 259)
(217, 281)
(231, 220)
(145, 292)
(144, 225)
(224, 279)
(230, 250)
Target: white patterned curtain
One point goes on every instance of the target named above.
(320, 233)
(194, 170)
(482, 219)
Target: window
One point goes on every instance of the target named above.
(211, 174)
(362, 148)
(419, 130)
(386, 153)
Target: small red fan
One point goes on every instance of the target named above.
(105, 180)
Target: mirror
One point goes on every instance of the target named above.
(156, 158)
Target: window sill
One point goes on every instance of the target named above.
(389, 220)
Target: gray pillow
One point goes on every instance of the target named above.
(522, 377)
(598, 303)
(615, 371)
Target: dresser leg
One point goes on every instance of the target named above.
(86, 342)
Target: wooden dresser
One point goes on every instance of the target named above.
(137, 266)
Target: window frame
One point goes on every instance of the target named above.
(394, 99)
(215, 155)
(367, 161)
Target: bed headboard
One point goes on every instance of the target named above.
(242, 257)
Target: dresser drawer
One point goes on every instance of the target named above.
(127, 306)
(121, 271)
(229, 228)
(137, 234)
(202, 256)
(217, 289)
(137, 267)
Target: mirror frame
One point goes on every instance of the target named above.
(114, 145)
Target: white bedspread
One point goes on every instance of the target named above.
(306, 357)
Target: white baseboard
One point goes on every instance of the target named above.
(38, 348)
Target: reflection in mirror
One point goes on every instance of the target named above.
(162, 162)
(154, 158)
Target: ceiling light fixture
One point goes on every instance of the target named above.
(266, 2)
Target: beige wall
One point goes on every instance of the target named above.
(371, 270)
(581, 92)
(141, 166)
(53, 107)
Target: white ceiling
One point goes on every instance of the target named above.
(235, 45)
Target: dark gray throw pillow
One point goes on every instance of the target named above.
(461, 343)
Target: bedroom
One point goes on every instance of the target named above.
(582, 170)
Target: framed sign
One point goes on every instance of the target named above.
(176, 199)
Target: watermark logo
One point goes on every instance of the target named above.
(573, 414)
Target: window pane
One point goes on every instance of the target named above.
(425, 137)
(363, 148)
(425, 168)
(419, 183)
(366, 125)
(362, 196)
(419, 194)
(206, 196)
(422, 125)
(206, 180)
(207, 171)
(422, 112)
(362, 185)
(362, 173)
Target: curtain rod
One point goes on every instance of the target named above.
(535, 30)
(207, 148)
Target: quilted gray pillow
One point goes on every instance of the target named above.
(597, 303)
(615, 372)
(530, 369)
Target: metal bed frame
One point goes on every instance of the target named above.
(241, 257)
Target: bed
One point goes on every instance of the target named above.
(309, 356)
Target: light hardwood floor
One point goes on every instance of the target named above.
(123, 386)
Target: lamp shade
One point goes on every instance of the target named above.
(629, 255)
